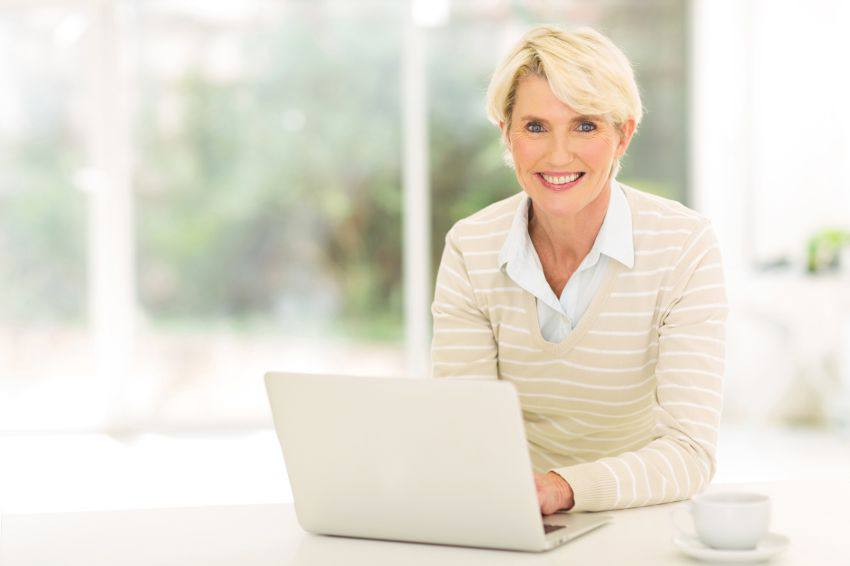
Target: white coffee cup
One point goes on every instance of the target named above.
(727, 520)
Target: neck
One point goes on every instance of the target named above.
(569, 238)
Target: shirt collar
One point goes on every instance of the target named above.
(615, 238)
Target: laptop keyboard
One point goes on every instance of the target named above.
(549, 528)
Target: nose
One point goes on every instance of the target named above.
(561, 150)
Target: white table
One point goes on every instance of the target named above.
(814, 515)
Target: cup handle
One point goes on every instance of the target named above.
(686, 508)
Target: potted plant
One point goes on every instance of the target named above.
(827, 250)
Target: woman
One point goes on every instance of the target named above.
(604, 305)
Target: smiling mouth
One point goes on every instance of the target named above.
(560, 182)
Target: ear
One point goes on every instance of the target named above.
(627, 130)
(504, 133)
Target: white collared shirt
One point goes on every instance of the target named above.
(518, 258)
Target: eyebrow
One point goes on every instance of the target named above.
(580, 118)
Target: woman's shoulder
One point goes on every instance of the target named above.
(490, 223)
(666, 231)
(651, 206)
(659, 220)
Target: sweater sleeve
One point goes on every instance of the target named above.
(463, 344)
(680, 461)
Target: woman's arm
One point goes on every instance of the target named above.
(681, 460)
(464, 347)
(463, 344)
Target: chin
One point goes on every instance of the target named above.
(565, 203)
(557, 205)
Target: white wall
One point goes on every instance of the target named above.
(771, 161)
(771, 165)
(800, 121)
(720, 141)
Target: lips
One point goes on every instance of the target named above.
(560, 181)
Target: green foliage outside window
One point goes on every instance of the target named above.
(273, 199)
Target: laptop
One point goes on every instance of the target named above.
(441, 461)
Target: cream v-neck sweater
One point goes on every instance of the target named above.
(627, 407)
(557, 316)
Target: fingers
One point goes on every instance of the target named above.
(547, 495)
(546, 501)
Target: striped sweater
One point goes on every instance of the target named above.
(627, 407)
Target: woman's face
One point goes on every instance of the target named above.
(563, 159)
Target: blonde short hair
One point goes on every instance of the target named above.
(584, 69)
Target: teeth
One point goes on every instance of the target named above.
(561, 180)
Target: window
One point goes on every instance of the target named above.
(196, 193)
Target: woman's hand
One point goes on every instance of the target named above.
(553, 492)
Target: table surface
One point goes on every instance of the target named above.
(814, 515)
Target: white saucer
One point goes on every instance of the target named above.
(771, 545)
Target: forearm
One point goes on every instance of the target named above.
(664, 471)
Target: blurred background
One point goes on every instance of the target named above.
(193, 193)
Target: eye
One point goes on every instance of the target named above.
(534, 127)
(586, 126)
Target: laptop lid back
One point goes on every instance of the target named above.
(425, 460)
